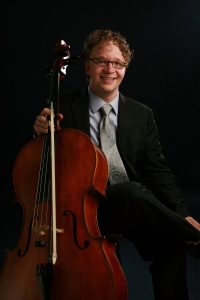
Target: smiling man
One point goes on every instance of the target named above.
(143, 201)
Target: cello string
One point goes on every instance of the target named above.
(38, 191)
(41, 194)
(41, 218)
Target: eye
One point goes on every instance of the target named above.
(118, 65)
(102, 63)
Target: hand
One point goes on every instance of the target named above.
(42, 123)
(196, 225)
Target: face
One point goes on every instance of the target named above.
(105, 81)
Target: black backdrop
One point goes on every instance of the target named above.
(164, 73)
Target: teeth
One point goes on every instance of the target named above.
(107, 78)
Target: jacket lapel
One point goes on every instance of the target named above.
(123, 121)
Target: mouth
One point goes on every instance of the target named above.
(108, 78)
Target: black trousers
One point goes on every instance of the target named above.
(158, 233)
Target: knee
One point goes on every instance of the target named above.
(126, 192)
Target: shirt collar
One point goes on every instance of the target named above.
(96, 102)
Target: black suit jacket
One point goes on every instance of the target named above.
(138, 144)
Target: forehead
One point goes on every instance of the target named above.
(106, 49)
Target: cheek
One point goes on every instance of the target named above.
(121, 75)
(123, 72)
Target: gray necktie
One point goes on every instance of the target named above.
(117, 172)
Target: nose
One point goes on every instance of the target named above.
(109, 66)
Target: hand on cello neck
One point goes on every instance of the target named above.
(41, 124)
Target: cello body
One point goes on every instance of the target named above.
(86, 266)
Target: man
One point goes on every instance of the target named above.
(145, 205)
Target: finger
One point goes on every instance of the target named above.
(41, 119)
(45, 112)
(41, 124)
(60, 117)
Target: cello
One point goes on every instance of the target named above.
(59, 179)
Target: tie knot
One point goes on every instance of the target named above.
(106, 109)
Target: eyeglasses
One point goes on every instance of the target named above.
(104, 63)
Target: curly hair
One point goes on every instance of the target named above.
(103, 36)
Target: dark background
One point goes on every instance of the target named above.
(164, 75)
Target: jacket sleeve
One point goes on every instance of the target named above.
(157, 174)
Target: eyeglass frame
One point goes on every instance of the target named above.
(105, 63)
